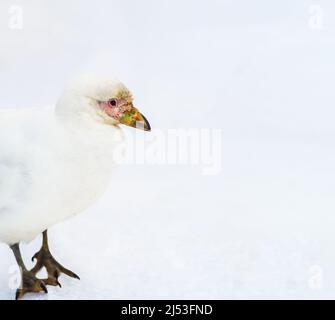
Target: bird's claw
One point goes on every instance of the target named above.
(54, 269)
(34, 257)
(52, 281)
(30, 284)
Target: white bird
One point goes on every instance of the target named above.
(56, 162)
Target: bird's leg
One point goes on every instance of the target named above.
(29, 282)
(45, 259)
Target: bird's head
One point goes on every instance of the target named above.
(104, 99)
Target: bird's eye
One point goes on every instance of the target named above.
(113, 102)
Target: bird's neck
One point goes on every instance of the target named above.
(76, 110)
(84, 129)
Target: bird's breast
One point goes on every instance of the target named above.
(88, 167)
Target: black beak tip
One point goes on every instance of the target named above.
(147, 126)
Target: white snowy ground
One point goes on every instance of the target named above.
(262, 228)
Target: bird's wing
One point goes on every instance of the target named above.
(13, 167)
(14, 183)
(17, 135)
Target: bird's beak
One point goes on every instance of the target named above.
(134, 118)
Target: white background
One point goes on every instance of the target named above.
(263, 227)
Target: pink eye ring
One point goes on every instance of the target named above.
(112, 103)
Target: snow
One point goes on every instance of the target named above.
(263, 227)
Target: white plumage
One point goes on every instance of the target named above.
(55, 162)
